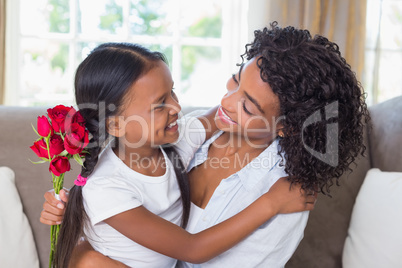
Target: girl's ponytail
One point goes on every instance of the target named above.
(75, 216)
(71, 228)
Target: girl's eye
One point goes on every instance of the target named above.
(174, 96)
(245, 109)
(161, 106)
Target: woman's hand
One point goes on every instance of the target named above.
(287, 198)
(53, 209)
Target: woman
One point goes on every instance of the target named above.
(294, 108)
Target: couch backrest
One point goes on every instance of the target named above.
(385, 139)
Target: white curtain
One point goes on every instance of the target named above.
(2, 47)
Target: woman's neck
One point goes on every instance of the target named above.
(234, 144)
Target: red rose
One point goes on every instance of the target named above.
(44, 127)
(58, 115)
(76, 139)
(40, 149)
(78, 118)
(56, 145)
(59, 164)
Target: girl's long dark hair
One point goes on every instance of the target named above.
(101, 83)
(183, 181)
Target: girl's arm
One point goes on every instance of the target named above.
(155, 233)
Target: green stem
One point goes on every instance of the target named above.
(52, 245)
(48, 147)
(54, 230)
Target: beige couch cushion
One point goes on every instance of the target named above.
(374, 235)
(17, 247)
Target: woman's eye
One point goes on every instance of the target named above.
(245, 109)
(235, 79)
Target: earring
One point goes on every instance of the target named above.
(280, 134)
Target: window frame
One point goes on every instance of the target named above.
(231, 43)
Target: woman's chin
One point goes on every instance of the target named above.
(232, 128)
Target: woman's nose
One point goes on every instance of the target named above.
(230, 100)
(231, 85)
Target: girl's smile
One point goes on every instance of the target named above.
(172, 127)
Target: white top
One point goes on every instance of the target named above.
(272, 244)
(114, 188)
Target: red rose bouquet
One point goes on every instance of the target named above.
(62, 136)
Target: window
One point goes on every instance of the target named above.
(383, 57)
(48, 39)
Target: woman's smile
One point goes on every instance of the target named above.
(224, 117)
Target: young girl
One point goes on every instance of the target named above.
(133, 192)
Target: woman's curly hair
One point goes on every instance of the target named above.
(321, 102)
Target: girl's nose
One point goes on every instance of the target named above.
(174, 108)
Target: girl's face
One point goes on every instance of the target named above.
(151, 109)
(250, 108)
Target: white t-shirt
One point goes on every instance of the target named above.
(114, 188)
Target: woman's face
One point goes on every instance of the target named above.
(151, 109)
(250, 108)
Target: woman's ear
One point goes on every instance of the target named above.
(280, 132)
(115, 126)
(278, 127)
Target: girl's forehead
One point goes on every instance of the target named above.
(151, 86)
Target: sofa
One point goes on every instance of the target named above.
(325, 234)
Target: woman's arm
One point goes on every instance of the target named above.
(153, 232)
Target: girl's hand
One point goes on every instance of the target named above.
(286, 198)
(53, 209)
(208, 121)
